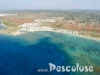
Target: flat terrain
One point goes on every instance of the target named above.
(85, 22)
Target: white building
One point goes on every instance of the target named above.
(45, 20)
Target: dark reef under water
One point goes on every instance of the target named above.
(26, 53)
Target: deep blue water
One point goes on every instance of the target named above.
(25, 54)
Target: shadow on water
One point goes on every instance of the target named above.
(25, 54)
(18, 60)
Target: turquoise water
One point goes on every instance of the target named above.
(26, 53)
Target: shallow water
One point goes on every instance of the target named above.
(26, 53)
(2, 28)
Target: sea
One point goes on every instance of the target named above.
(2, 27)
(31, 53)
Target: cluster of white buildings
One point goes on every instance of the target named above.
(31, 27)
(7, 14)
(34, 28)
(67, 31)
(45, 20)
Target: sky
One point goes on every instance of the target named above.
(50, 4)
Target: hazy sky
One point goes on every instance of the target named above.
(49, 4)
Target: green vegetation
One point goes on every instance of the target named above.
(94, 35)
(10, 24)
(90, 34)
(79, 20)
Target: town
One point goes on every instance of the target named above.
(31, 27)
(82, 23)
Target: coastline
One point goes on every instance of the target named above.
(3, 24)
(87, 37)
(44, 28)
